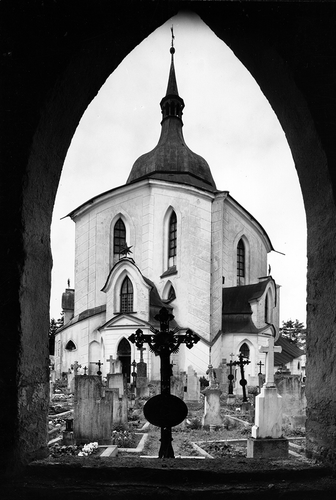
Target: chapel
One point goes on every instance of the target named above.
(168, 238)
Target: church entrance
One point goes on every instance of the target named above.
(124, 355)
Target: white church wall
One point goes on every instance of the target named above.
(197, 357)
(81, 333)
(237, 225)
(192, 280)
(93, 241)
(217, 253)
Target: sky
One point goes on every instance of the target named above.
(227, 120)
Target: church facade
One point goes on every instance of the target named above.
(168, 238)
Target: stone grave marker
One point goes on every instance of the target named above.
(211, 416)
(93, 411)
(193, 385)
(266, 440)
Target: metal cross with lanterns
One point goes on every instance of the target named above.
(163, 343)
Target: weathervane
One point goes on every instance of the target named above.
(173, 37)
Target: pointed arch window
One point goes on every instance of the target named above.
(171, 294)
(119, 236)
(172, 240)
(266, 309)
(126, 296)
(245, 350)
(70, 346)
(240, 263)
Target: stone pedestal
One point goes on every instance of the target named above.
(266, 440)
(211, 415)
(267, 448)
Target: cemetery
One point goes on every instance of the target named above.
(92, 416)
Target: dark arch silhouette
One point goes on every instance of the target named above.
(43, 110)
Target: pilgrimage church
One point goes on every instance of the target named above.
(168, 238)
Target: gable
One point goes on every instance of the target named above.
(124, 321)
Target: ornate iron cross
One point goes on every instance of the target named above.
(163, 343)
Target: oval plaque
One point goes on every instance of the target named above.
(165, 410)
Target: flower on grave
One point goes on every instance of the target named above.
(88, 449)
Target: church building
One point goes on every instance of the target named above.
(168, 238)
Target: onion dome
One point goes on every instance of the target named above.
(171, 160)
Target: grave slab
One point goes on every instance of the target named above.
(267, 448)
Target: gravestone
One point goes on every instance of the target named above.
(266, 440)
(93, 411)
(211, 416)
(117, 381)
(115, 365)
(221, 375)
(141, 383)
(193, 385)
(177, 385)
(120, 408)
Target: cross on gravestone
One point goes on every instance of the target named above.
(75, 367)
(230, 376)
(269, 350)
(241, 362)
(260, 364)
(111, 361)
(99, 363)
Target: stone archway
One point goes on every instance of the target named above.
(78, 49)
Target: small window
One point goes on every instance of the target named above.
(119, 236)
(171, 294)
(245, 350)
(70, 346)
(240, 263)
(172, 250)
(126, 296)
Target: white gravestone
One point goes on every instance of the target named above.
(268, 404)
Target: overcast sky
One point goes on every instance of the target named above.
(227, 120)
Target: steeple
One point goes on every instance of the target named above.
(171, 160)
(172, 104)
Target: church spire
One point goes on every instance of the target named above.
(171, 160)
(172, 104)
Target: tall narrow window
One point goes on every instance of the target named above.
(245, 350)
(172, 250)
(126, 296)
(266, 309)
(119, 236)
(240, 263)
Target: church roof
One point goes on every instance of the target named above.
(171, 160)
(289, 352)
(237, 311)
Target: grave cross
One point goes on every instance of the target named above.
(141, 349)
(99, 363)
(269, 350)
(163, 343)
(260, 364)
(75, 367)
(260, 375)
(241, 362)
(111, 361)
(231, 376)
